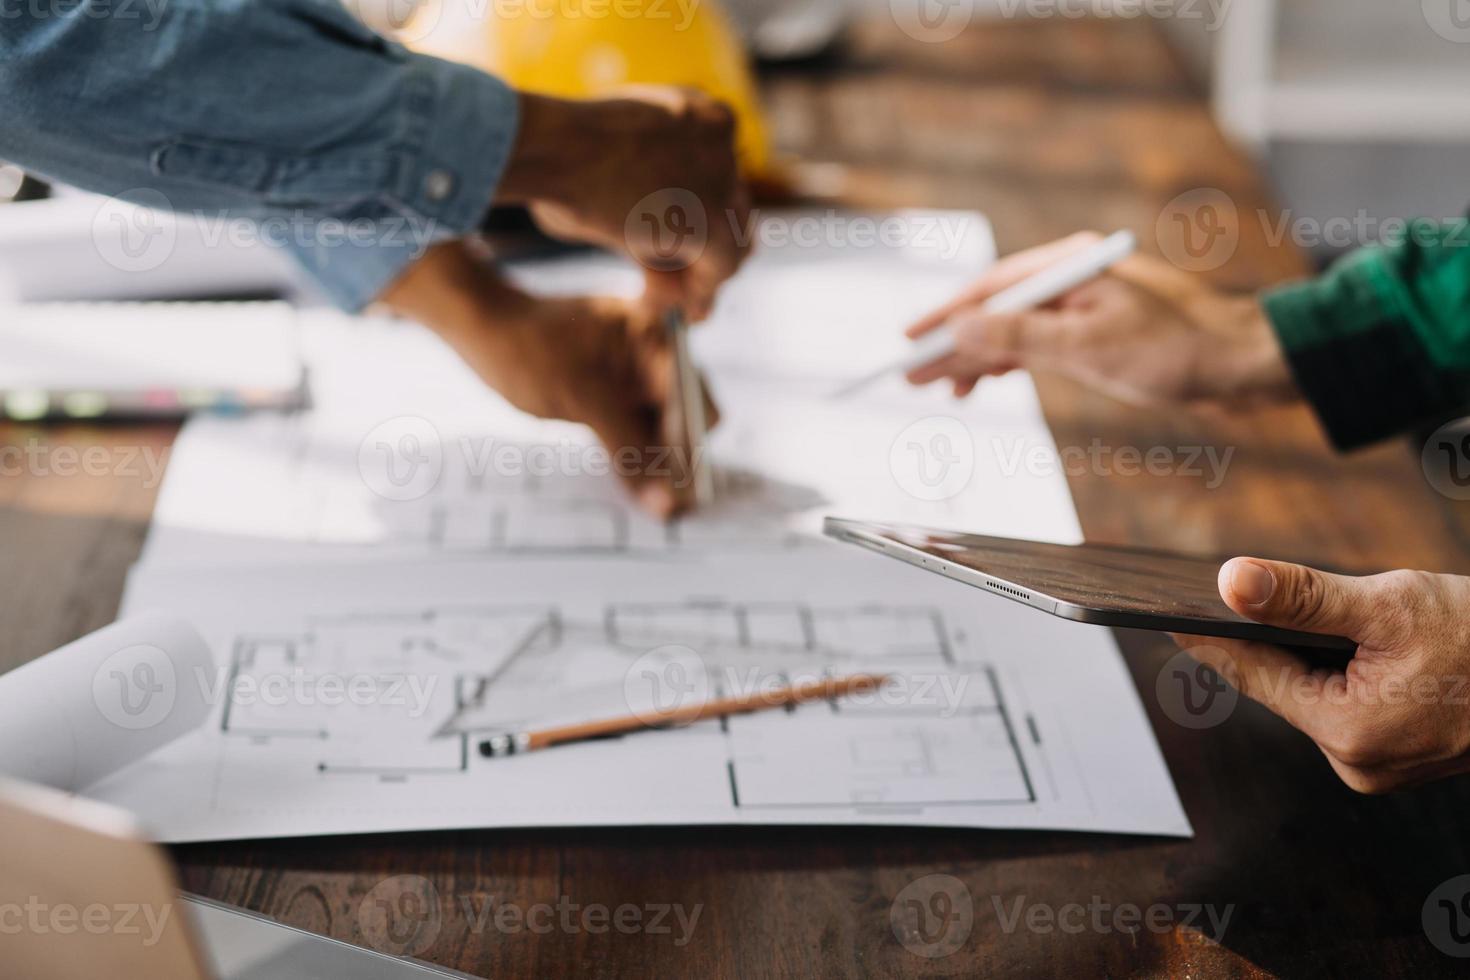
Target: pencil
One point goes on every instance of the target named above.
(689, 400)
(813, 690)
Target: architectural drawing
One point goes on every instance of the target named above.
(493, 669)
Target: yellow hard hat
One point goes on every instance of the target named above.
(591, 48)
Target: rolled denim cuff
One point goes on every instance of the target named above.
(460, 131)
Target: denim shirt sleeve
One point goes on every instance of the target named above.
(347, 149)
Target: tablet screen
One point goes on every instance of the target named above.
(1102, 584)
(1092, 576)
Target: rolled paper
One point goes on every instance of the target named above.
(104, 702)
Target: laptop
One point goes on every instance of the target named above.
(83, 894)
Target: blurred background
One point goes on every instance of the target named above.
(1350, 106)
(1354, 110)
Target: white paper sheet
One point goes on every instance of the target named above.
(102, 702)
(148, 360)
(78, 246)
(336, 680)
(476, 576)
(477, 477)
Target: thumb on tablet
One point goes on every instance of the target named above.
(1300, 598)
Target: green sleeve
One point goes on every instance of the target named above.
(1382, 341)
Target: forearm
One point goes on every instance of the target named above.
(469, 305)
(264, 109)
(1382, 341)
(455, 293)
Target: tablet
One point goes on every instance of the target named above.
(1105, 585)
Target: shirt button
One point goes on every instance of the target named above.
(439, 184)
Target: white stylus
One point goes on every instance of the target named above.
(1042, 288)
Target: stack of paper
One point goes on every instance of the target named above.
(89, 360)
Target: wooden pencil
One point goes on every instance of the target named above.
(515, 743)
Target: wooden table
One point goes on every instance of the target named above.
(1047, 127)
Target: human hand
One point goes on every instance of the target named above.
(1400, 714)
(600, 361)
(1144, 332)
(652, 175)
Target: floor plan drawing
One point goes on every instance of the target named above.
(405, 454)
(355, 699)
(412, 564)
(489, 497)
(491, 670)
(412, 670)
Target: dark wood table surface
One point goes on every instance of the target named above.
(1047, 127)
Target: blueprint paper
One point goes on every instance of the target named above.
(1002, 717)
(789, 330)
(414, 539)
(299, 487)
(102, 702)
